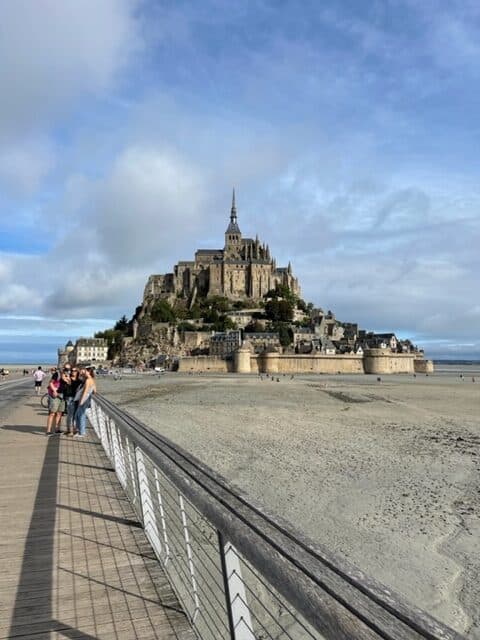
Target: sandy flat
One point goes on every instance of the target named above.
(384, 473)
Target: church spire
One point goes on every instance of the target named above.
(233, 227)
(233, 211)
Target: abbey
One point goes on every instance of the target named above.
(243, 269)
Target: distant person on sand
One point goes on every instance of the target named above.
(38, 377)
(56, 404)
(83, 396)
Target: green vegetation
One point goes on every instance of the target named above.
(122, 328)
(282, 291)
(186, 326)
(285, 334)
(162, 311)
(279, 310)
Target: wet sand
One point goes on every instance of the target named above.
(385, 474)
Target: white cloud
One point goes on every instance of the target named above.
(24, 166)
(142, 210)
(17, 296)
(52, 53)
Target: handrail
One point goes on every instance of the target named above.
(336, 599)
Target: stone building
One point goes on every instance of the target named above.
(225, 343)
(243, 269)
(90, 350)
(263, 340)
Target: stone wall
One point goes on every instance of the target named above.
(423, 366)
(320, 364)
(375, 361)
(383, 361)
(210, 364)
(194, 339)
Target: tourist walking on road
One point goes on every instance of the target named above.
(38, 377)
(83, 395)
(56, 404)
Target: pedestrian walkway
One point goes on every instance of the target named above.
(74, 561)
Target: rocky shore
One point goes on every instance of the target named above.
(384, 473)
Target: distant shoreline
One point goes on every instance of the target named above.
(464, 362)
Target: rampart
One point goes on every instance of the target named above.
(423, 366)
(373, 361)
(212, 364)
(383, 361)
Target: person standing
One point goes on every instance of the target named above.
(70, 388)
(38, 377)
(56, 405)
(84, 394)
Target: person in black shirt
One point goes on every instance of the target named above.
(70, 384)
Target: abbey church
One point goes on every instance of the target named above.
(243, 269)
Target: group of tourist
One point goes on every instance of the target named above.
(69, 394)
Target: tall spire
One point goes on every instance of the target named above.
(233, 226)
(233, 212)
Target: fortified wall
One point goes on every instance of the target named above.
(374, 361)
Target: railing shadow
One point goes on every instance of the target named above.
(42, 525)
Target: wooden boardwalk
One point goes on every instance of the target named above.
(74, 562)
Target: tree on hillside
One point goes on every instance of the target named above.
(162, 312)
(114, 341)
(285, 334)
(254, 327)
(218, 303)
(281, 291)
(279, 310)
(122, 325)
(224, 324)
(186, 326)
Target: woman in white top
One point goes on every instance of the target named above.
(85, 393)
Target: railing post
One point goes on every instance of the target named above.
(162, 517)
(108, 436)
(189, 557)
(239, 617)
(119, 456)
(104, 437)
(132, 463)
(149, 522)
(226, 586)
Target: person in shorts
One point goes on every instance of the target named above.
(38, 378)
(56, 405)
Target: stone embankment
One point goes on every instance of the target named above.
(374, 361)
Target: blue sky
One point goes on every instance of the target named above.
(349, 129)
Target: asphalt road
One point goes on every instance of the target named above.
(13, 392)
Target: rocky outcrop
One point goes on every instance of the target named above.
(157, 339)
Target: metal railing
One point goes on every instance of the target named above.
(240, 572)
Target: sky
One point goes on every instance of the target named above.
(349, 129)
